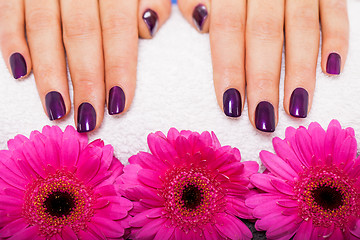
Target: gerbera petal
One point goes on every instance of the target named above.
(150, 178)
(68, 233)
(13, 227)
(267, 221)
(17, 142)
(304, 231)
(26, 233)
(303, 147)
(145, 217)
(89, 163)
(227, 226)
(266, 209)
(6, 201)
(161, 149)
(33, 158)
(287, 203)
(337, 235)
(239, 207)
(260, 199)
(347, 151)
(84, 235)
(149, 230)
(215, 141)
(332, 133)
(165, 232)
(12, 179)
(262, 181)
(209, 233)
(317, 140)
(146, 160)
(356, 230)
(283, 150)
(110, 228)
(172, 135)
(282, 187)
(285, 227)
(277, 166)
(182, 146)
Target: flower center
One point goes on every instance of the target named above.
(59, 204)
(191, 196)
(57, 201)
(327, 196)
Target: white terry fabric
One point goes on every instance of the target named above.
(175, 89)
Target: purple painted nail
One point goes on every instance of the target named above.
(299, 102)
(116, 100)
(200, 14)
(55, 105)
(333, 64)
(86, 119)
(151, 19)
(265, 117)
(232, 103)
(18, 65)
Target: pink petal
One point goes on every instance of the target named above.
(12, 179)
(165, 232)
(283, 150)
(277, 166)
(267, 208)
(317, 139)
(182, 146)
(130, 176)
(266, 222)
(17, 142)
(216, 142)
(209, 233)
(86, 236)
(262, 181)
(250, 168)
(305, 230)
(95, 230)
(110, 228)
(150, 178)
(337, 235)
(6, 201)
(287, 203)
(13, 227)
(145, 217)
(68, 234)
(282, 187)
(180, 234)
(27, 233)
(332, 133)
(172, 135)
(262, 198)
(285, 227)
(232, 169)
(89, 163)
(356, 230)
(147, 160)
(238, 208)
(107, 157)
(228, 226)
(162, 149)
(33, 158)
(347, 151)
(70, 149)
(149, 230)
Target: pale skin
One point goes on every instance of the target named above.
(100, 38)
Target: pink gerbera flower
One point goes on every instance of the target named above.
(188, 188)
(312, 190)
(54, 185)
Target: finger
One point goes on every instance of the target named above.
(12, 38)
(47, 52)
(302, 32)
(196, 12)
(264, 41)
(83, 43)
(152, 15)
(335, 35)
(227, 42)
(120, 38)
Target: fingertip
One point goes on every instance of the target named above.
(197, 13)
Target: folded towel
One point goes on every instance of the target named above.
(175, 89)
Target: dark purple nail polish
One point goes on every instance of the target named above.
(200, 14)
(151, 19)
(116, 100)
(18, 65)
(265, 117)
(333, 64)
(86, 119)
(232, 103)
(299, 102)
(55, 105)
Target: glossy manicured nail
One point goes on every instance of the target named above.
(151, 20)
(333, 64)
(86, 119)
(55, 105)
(116, 100)
(265, 117)
(232, 103)
(299, 102)
(199, 15)
(18, 65)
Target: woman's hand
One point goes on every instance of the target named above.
(100, 38)
(246, 40)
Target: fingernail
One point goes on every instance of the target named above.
(86, 119)
(265, 117)
(55, 105)
(299, 102)
(200, 14)
(18, 65)
(116, 100)
(151, 19)
(333, 64)
(232, 103)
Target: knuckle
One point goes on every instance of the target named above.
(86, 83)
(41, 19)
(265, 80)
(228, 21)
(117, 23)
(80, 26)
(265, 27)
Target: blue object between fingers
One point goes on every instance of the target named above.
(173, 1)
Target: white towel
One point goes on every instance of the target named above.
(175, 89)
